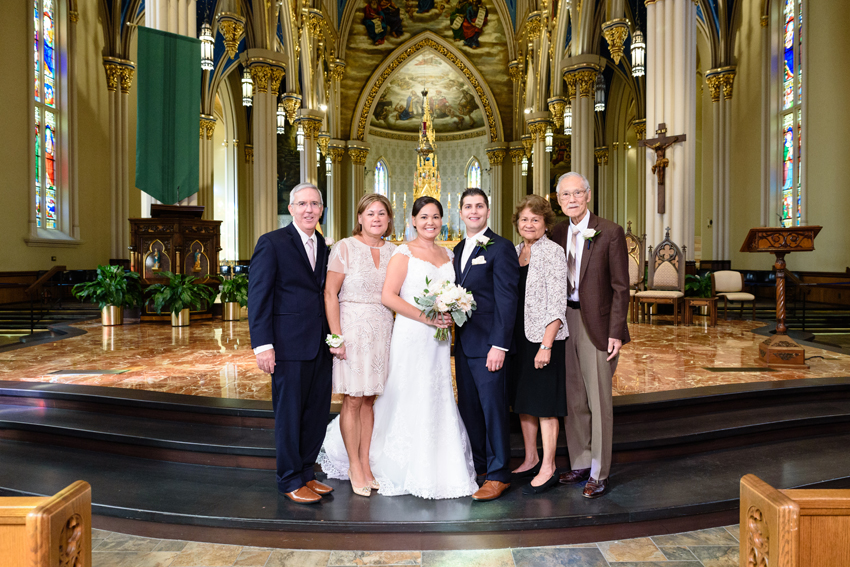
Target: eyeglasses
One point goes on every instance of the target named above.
(570, 194)
(305, 204)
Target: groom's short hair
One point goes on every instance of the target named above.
(472, 191)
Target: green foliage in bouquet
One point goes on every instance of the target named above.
(446, 298)
(180, 293)
(113, 286)
(235, 290)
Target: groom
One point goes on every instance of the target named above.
(485, 264)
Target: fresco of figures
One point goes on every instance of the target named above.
(453, 105)
(473, 27)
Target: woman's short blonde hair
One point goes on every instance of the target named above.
(538, 206)
(365, 202)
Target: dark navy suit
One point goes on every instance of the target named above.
(482, 395)
(286, 309)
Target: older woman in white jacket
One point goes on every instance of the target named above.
(538, 370)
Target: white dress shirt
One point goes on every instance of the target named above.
(304, 239)
(469, 247)
(580, 227)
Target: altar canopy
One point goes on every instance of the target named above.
(168, 120)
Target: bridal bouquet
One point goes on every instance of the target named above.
(446, 297)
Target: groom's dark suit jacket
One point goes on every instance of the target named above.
(286, 300)
(494, 288)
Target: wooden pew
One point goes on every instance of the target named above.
(793, 528)
(48, 531)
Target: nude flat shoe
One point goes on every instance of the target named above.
(360, 491)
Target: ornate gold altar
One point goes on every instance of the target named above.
(175, 239)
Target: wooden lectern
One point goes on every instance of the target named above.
(780, 349)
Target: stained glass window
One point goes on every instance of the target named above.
(44, 55)
(382, 182)
(791, 115)
(473, 174)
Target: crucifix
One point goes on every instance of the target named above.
(660, 145)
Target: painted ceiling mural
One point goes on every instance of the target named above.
(472, 26)
(452, 101)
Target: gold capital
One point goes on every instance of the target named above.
(538, 129)
(249, 153)
(616, 32)
(713, 82)
(570, 79)
(276, 76)
(640, 129)
(231, 26)
(517, 154)
(337, 154)
(496, 155)
(556, 108)
(358, 155)
(207, 126)
(338, 70)
(74, 16)
(515, 70)
(260, 74)
(311, 127)
(601, 155)
(586, 80)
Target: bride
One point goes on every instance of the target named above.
(419, 443)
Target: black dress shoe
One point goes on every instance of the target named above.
(532, 472)
(575, 476)
(528, 489)
(595, 488)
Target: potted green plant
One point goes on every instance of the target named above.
(113, 290)
(698, 286)
(179, 295)
(234, 296)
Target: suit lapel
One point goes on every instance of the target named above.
(295, 239)
(477, 250)
(585, 254)
(321, 252)
(458, 255)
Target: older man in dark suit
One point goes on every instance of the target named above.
(597, 303)
(286, 312)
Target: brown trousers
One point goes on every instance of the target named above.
(589, 423)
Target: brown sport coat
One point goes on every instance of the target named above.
(603, 280)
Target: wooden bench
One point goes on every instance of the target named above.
(793, 528)
(47, 531)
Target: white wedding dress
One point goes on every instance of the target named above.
(419, 443)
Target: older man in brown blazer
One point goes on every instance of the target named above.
(597, 303)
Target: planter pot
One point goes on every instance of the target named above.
(180, 319)
(231, 311)
(703, 310)
(112, 315)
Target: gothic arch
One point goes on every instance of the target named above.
(396, 60)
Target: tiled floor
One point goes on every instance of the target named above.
(716, 547)
(214, 358)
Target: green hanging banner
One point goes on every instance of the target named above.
(168, 117)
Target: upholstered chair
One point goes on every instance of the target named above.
(729, 285)
(666, 278)
(637, 268)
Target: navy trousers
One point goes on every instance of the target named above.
(301, 397)
(483, 404)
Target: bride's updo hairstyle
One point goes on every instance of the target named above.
(425, 200)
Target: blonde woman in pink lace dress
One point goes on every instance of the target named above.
(357, 269)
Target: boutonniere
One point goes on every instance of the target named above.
(483, 241)
(589, 234)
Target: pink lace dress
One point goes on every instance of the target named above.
(367, 325)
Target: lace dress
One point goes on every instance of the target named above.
(365, 323)
(419, 442)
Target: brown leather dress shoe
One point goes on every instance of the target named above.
(595, 488)
(491, 490)
(304, 496)
(575, 476)
(319, 488)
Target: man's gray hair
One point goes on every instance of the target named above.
(302, 186)
(572, 174)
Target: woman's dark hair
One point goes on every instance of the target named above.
(425, 200)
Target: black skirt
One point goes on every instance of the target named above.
(538, 392)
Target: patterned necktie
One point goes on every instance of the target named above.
(311, 253)
(571, 262)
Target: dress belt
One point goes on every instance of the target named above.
(574, 304)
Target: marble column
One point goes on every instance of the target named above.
(119, 79)
(249, 182)
(572, 100)
(720, 82)
(584, 122)
(205, 175)
(311, 123)
(640, 133)
(517, 190)
(73, 177)
(335, 193)
(538, 122)
(495, 155)
(334, 112)
(671, 99)
(357, 151)
(266, 76)
(607, 199)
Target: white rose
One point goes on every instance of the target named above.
(588, 233)
(440, 305)
(329, 242)
(482, 239)
(465, 304)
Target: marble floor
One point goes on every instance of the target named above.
(715, 547)
(214, 358)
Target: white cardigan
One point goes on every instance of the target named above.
(545, 289)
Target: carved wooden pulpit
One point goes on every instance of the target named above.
(780, 349)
